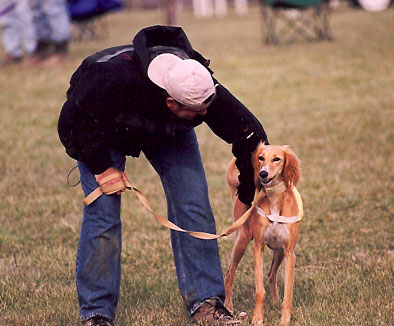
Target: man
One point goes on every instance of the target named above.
(148, 97)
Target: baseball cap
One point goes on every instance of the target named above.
(187, 81)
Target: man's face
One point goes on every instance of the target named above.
(182, 111)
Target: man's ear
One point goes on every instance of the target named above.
(171, 104)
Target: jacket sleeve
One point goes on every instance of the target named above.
(233, 122)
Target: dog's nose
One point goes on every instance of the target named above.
(263, 174)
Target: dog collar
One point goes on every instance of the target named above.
(275, 190)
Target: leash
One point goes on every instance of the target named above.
(110, 188)
(105, 188)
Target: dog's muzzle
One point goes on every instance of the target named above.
(263, 175)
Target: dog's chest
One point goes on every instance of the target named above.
(275, 234)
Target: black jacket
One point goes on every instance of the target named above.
(112, 104)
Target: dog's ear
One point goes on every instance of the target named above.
(292, 168)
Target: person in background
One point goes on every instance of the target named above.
(18, 32)
(147, 97)
(53, 31)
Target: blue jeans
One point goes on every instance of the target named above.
(197, 261)
(51, 20)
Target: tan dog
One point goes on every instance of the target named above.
(277, 171)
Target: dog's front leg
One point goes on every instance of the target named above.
(258, 313)
(289, 282)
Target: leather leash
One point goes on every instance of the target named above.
(113, 188)
(105, 188)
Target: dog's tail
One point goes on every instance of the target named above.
(232, 178)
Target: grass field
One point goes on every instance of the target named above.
(333, 102)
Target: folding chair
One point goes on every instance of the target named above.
(289, 20)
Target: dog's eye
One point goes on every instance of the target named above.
(276, 159)
(261, 158)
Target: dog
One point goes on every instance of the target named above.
(276, 172)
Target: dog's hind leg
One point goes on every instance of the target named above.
(277, 259)
(240, 245)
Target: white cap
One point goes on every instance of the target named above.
(187, 81)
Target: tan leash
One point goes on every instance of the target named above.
(109, 189)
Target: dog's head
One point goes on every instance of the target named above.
(273, 163)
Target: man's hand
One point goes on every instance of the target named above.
(112, 170)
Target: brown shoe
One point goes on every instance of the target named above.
(212, 312)
(97, 321)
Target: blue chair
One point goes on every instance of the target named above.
(289, 20)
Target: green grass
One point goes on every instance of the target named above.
(331, 101)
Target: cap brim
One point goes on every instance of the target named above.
(158, 68)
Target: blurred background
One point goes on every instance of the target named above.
(41, 30)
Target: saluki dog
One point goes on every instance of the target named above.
(274, 222)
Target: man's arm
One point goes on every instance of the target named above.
(233, 122)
